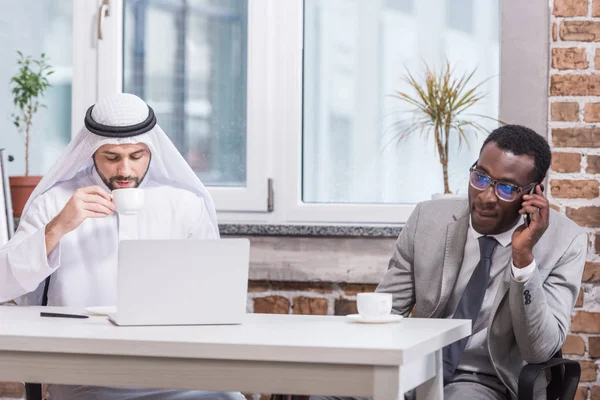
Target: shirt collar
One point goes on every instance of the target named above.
(504, 238)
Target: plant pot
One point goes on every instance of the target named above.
(20, 190)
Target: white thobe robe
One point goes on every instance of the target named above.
(84, 263)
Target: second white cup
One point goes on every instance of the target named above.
(128, 201)
(373, 305)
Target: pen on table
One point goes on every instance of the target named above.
(60, 315)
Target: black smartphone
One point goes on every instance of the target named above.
(528, 216)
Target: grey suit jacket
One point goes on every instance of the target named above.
(529, 320)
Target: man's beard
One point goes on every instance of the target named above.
(110, 182)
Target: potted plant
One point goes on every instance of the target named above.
(28, 87)
(440, 106)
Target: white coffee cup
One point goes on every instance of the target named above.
(372, 305)
(128, 201)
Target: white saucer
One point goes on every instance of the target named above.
(375, 320)
(101, 310)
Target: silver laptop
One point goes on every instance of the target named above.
(182, 282)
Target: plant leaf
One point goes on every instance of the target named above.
(439, 102)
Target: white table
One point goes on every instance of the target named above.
(288, 354)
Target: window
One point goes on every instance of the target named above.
(192, 72)
(204, 72)
(355, 53)
(33, 28)
(297, 93)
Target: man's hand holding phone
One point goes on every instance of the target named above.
(536, 209)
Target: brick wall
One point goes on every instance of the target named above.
(319, 298)
(11, 390)
(574, 133)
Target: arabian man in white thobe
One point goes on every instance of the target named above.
(70, 230)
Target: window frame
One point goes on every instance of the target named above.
(274, 113)
(290, 101)
(104, 58)
(524, 41)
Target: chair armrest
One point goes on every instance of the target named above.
(33, 391)
(564, 379)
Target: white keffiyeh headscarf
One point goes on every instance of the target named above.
(121, 113)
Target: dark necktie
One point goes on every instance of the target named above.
(470, 303)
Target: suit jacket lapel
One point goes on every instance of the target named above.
(456, 238)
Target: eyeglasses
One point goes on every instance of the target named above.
(504, 191)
